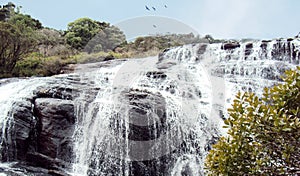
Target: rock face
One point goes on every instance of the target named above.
(40, 132)
(55, 128)
(142, 126)
(20, 133)
(230, 46)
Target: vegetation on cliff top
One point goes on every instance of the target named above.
(30, 49)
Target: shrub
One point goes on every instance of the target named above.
(16, 41)
(264, 134)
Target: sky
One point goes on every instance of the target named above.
(226, 19)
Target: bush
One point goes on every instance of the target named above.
(16, 41)
(29, 66)
(37, 65)
(264, 134)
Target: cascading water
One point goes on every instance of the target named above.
(137, 97)
(10, 94)
(150, 116)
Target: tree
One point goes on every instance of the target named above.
(106, 40)
(264, 134)
(49, 39)
(26, 20)
(10, 13)
(81, 31)
(16, 41)
(7, 11)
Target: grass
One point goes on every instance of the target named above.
(35, 64)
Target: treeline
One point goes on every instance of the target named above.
(30, 49)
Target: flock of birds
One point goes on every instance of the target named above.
(154, 9)
(147, 8)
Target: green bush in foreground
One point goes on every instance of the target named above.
(264, 134)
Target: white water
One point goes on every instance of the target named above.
(10, 93)
(184, 109)
(196, 91)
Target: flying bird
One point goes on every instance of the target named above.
(154, 26)
(166, 6)
(154, 8)
(147, 8)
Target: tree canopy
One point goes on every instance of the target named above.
(106, 40)
(17, 36)
(264, 134)
(26, 20)
(7, 11)
(93, 36)
(81, 31)
(16, 41)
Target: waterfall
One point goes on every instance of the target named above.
(138, 97)
(11, 94)
(150, 116)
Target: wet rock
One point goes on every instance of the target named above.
(70, 68)
(229, 46)
(55, 127)
(156, 74)
(264, 44)
(55, 92)
(18, 131)
(24, 124)
(165, 65)
(44, 162)
(109, 57)
(187, 171)
(248, 49)
(146, 115)
(36, 170)
(161, 55)
(201, 50)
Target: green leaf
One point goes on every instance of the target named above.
(287, 129)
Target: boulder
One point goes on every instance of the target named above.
(55, 127)
(18, 131)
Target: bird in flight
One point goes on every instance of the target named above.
(154, 26)
(147, 8)
(154, 8)
(166, 6)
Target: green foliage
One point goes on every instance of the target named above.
(160, 42)
(264, 134)
(16, 41)
(106, 40)
(29, 49)
(25, 20)
(29, 66)
(37, 65)
(98, 57)
(51, 42)
(81, 31)
(17, 37)
(7, 11)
